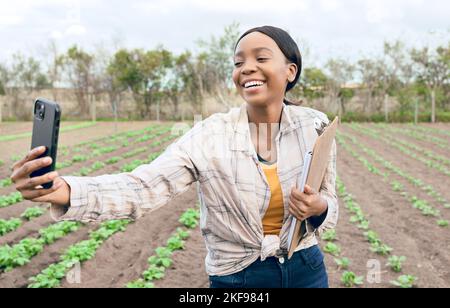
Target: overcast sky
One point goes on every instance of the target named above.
(330, 28)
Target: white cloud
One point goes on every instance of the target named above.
(18, 12)
(156, 7)
(10, 20)
(57, 35)
(330, 5)
(75, 30)
(331, 27)
(267, 6)
(12, 13)
(229, 6)
(375, 11)
(378, 11)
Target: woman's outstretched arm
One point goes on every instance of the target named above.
(119, 196)
(127, 195)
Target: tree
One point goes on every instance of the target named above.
(203, 82)
(154, 66)
(370, 71)
(313, 83)
(433, 70)
(394, 63)
(103, 81)
(189, 78)
(23, 78)
(3, 83)
(444, 58)
(78, 65)
(340, 73)
(409, 96)
(55, 66)
(142, 74)
(344, 96)
(219, 61)
(124, 72)
(179, 80)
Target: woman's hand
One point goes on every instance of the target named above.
(306, 204)
(31, 188)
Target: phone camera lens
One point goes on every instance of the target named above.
(40, 110)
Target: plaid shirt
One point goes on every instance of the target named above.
(234, 194)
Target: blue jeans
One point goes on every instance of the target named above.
(305, 269)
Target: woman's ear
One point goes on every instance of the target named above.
(292, 71)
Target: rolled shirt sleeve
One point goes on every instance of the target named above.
(126, 195)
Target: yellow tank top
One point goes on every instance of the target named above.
(273, 219)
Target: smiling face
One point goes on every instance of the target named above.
(258, 58)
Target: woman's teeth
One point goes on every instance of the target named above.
(253, 84)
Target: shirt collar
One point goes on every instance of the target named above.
(241, 122)
(242, 131)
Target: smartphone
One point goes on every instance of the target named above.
(46, 119)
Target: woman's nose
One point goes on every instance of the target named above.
(248, 67)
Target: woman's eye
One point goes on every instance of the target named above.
(240, 63)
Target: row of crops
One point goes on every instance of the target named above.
(366, 145)
(112, 154)
(390, 156)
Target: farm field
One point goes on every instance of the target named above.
(393, 229)
(18, 136)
